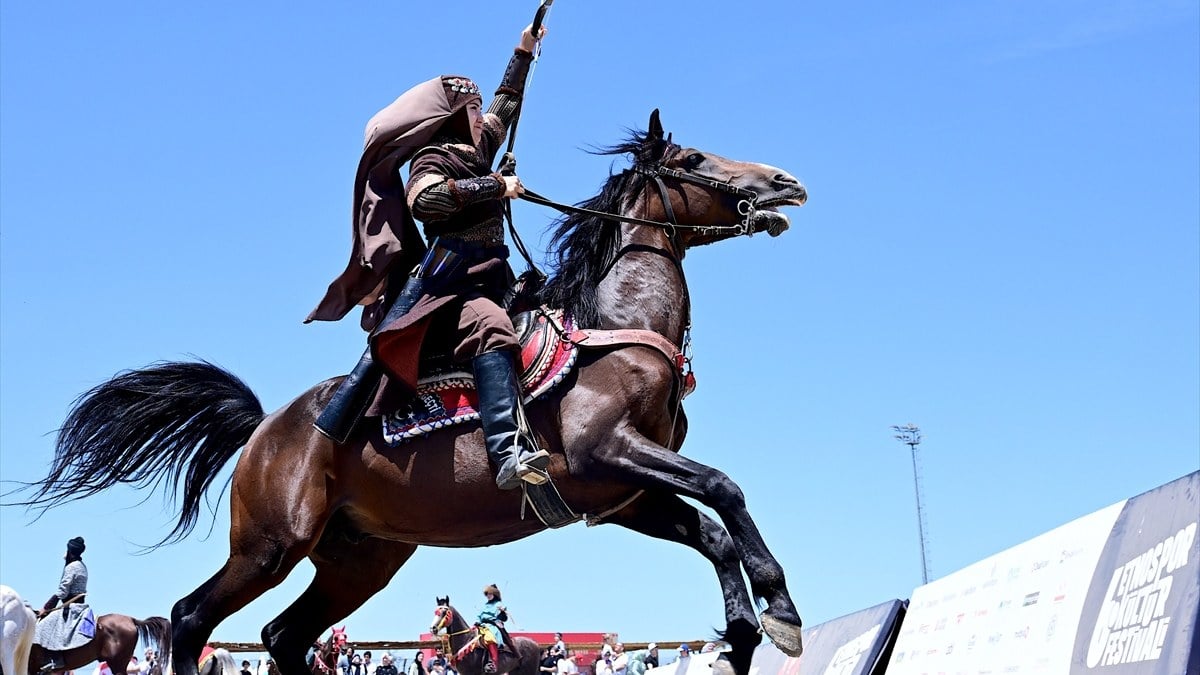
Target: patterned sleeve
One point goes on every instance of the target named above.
(432, 196)
(495, 131)
(504, 106)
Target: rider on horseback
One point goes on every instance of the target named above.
(73, 625)
(491, 624)
(452, 190)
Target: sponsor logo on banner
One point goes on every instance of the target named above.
(1068, 554)
(1140, 610)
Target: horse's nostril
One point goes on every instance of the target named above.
(784, 179)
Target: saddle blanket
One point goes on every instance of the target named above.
(446, 396)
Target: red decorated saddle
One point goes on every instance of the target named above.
(446, 393)
(550, 344)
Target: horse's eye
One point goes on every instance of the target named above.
(694, 160)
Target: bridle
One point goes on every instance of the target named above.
(445, 618)
(319, 659)
(746, 207)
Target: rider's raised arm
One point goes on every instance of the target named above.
(504, 106)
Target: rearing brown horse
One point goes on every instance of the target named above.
(357, 511)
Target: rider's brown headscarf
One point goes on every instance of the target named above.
(384, 232)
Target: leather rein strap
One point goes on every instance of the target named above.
(746, 207)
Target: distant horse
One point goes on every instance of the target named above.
(525, 662)
(116, 639)
(358, 511)
(325, 661)
(219, 662)
(18, 623)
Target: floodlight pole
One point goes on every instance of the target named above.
(910, 435)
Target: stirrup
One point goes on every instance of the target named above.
(520, 476)
(536, 459)
(531, 474)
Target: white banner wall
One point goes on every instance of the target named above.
(1116, 592)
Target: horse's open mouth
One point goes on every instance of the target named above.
(767, 217)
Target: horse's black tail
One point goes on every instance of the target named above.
(157, 630)
(174, 421)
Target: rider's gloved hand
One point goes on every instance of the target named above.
(512, 187)
(528, 41)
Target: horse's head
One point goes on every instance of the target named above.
(337, 641)
(443, 616)
(710, 197)
(326, 658)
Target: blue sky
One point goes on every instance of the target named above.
(1002, 245)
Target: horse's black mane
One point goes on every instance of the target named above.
(583, 246)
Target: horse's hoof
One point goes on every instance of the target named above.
(722, 666)
(785, 636)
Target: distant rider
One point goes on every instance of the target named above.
(66, 622)
(491, 623)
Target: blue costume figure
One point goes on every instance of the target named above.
(491, 620)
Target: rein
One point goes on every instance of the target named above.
(746, 206)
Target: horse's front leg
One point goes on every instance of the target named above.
(636, 459)
(665, 516)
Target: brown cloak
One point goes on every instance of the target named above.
(383, 229)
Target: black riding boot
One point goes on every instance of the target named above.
(510, 446)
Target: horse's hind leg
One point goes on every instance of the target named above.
(277, 511)
(349, 572)
(664, 516)
(243, 578)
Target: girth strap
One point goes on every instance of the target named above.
(596, 338)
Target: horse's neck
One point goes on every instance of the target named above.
(645, 288)
(460, 631)
(328, 654)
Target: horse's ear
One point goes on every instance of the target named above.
(656, 128)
